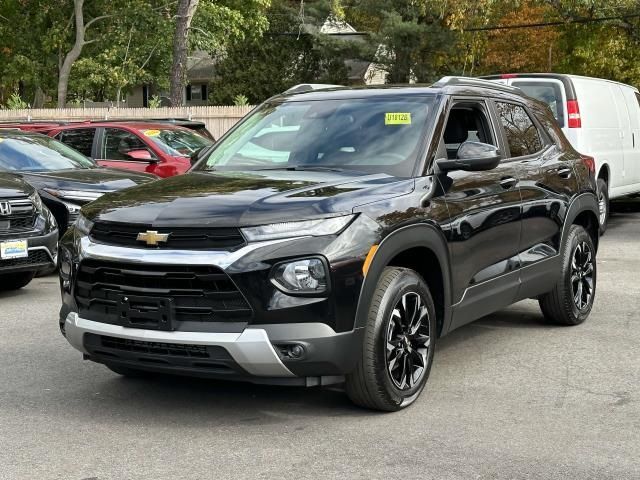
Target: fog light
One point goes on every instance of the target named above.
(294, 351)
(305, 276)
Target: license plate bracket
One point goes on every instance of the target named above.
(154, 313)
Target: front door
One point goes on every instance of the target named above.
(484, 227)
(116, 149)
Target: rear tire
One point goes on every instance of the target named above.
(571, 300)
(398, 344)
(15, 281)
(603, 205)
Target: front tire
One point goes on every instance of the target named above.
(571, 300)
(603, 205)
(15, 281)
(398, 344)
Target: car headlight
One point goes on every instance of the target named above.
(305, 228)
(37, 202)
(83, 225)
(306, 276)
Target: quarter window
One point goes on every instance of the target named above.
(80, 139)
(522, 135)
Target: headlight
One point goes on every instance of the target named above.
(37, 202)
(83, 225)
(306, 276)
(77, 195)
(314, 228)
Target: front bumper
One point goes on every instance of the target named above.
(46, 244)
(251, 355)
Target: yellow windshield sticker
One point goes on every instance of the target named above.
(152, 133)
(397, 118)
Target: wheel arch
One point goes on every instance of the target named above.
(422, 248)
(583, 211)
(605, 173)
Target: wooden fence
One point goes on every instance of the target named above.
(217, 119)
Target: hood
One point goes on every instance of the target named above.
(12, 186)
(228, 199)
(94, 179)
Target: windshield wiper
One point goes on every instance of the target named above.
(302, 168)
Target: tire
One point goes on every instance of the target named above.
(603, 205)
(579, 270)
(15, 281)
(381, 380)
(127, 371)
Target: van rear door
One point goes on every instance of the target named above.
(632, 154)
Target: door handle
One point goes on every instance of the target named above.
(508, 182)
(564, 172)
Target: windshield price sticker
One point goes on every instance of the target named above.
(397, 118)
(13, 249)
(152, 133)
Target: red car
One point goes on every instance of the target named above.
(161, 148)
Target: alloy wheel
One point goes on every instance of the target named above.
(602, 207)
(582, 270)
(408, 341)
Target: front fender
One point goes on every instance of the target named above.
(420, 235)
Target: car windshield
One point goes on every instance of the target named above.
(39, 154)
(372, 135)
(177, 142)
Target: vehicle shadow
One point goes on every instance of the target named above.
(193, 400)
(622, 210)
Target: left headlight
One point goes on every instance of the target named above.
(306, 228)
(37, 202)
(83, 225)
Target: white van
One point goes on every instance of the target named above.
(600, 118)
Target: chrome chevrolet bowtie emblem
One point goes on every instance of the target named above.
(152, 237)
(5, 208)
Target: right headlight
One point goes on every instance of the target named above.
(305, 276)
(83, 225)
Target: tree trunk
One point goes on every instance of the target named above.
(72, 55)
(186, 10)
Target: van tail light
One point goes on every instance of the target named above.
(573, 114)
(590, 163)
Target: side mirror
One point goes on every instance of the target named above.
(472, 157)
(144, 155)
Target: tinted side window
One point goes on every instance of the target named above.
(522, 135)
(117, 143)
(80, 139)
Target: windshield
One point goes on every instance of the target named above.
(39, 154)
(373, 135)
(177, 142)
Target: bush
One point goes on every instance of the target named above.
(15, 102)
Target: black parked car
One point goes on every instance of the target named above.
(335, 236)
(28, 233)
(65, 178)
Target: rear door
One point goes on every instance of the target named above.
(80, 139)
(115, 149)
(632, 154)
(547, 183)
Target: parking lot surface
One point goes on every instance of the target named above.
(508, 397)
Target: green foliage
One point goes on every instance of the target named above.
(240, 100)
(15, 102)
(155, 102)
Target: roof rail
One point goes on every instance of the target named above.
(308, 87)
(475, 82)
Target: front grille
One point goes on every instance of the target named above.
(21, 218)
(36, 257)
(187, 238)
(198, 293)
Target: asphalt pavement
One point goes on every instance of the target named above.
(509, 397)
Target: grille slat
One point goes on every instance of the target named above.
(188, 238)
(199, 293)
(21, 218)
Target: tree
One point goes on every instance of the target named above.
(184, 16)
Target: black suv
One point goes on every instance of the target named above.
(333, 236)
(28, 233)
